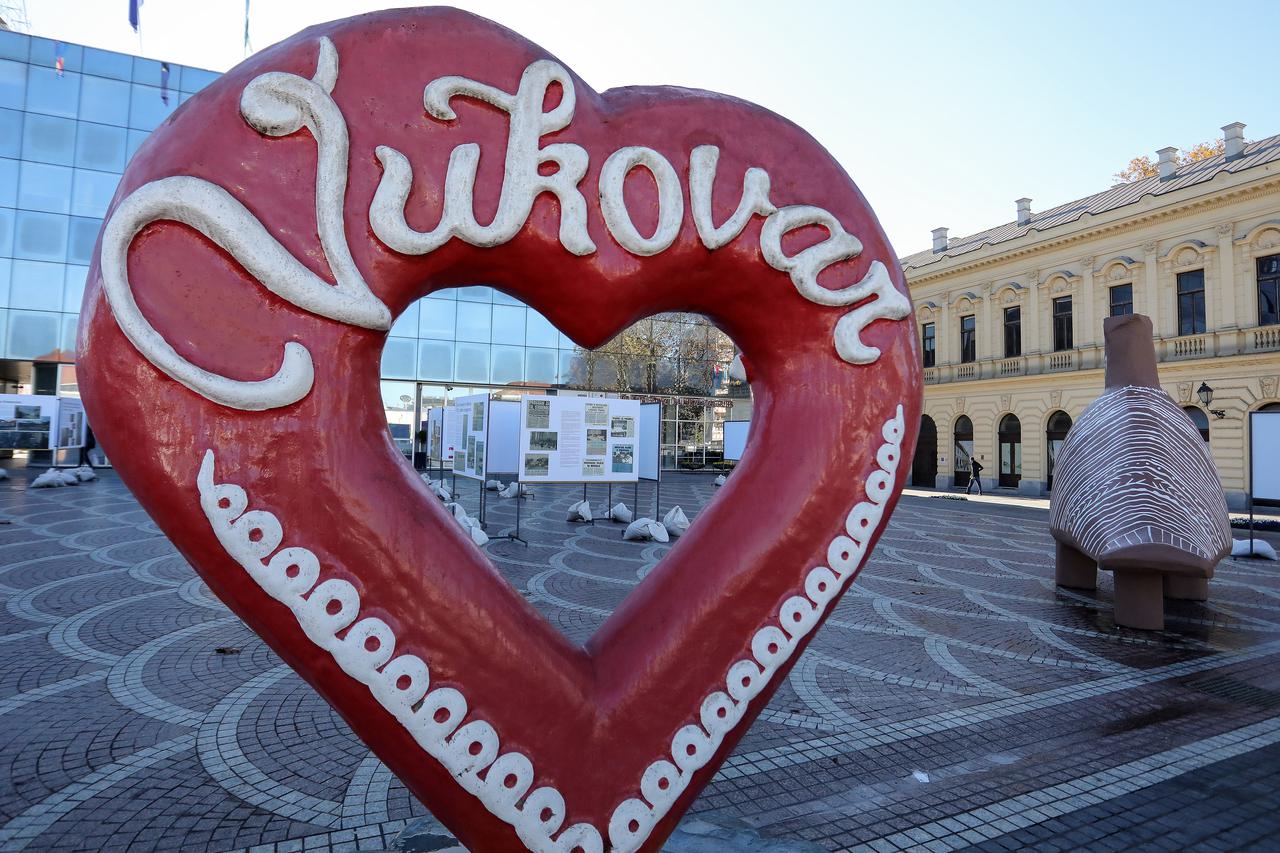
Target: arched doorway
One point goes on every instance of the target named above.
(924, 466)
(1200, 419)
(1010, 434)
(1055, 433)
(963, 451)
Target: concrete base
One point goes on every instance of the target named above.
(1185, 588)
(1139, 600)
(1031, 488)
(1073, 569)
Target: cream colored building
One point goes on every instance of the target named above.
(1196, 248)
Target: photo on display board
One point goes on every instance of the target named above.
(33, 440)
(597, 441)
(464, 429)
(544, 441)
(479, 457)
(623, 427)
(471, 449)
(536, 464)
(8, 423)
(33, 423)
(593, 467)
(624, 458)
(8, 439)
(537, 414)
(20, 412)
(459, 460)
(597, 414)
(477, 417)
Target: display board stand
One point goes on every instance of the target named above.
(649, 462)
(498, 410)
(1264, 448)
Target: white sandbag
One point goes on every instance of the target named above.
(68, 478)
(580, 511)
(492, 485)
(84, 473)
(675, 521)
(644, 530)
(720, 481)
(455, 509)
(472, 526)
(50, 479)
(621, 512)
(1261, 548)
(4, 475)
(526, 491)
(442, 493)
(510, 490)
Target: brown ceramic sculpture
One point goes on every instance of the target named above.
(1135, 491)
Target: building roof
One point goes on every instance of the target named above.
(1255, 154)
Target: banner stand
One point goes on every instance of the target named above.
(484, 523)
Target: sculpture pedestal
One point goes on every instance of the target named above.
(1186, 588)
(1139, 600)
(1073, 569)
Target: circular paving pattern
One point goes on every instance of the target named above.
(955, 696)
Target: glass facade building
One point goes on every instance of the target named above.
(72, 116)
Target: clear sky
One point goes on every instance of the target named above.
(943, 112)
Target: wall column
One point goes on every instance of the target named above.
(1225, 291)
(987, 335)
(1031, 339)
(1150, 289)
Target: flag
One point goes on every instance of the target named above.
(164, 83)
(134, 6)
(59, 60)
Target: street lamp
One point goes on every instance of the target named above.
(1205, 393)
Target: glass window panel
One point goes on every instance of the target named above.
(571, 369)
(448, 293)
(136, 138)
(473, 322)
(6, 232)
(508, 365)
(104, 101)
(70, 325)
(93, 192)
(475, 294)
(195, 79)
(83, 234)
(508, 326)
(9, 182)
(40, 236)
(50, 94)
(101, 147)
(10, 132)
(106, 63)
(147, 109)
(49, 139)
(36, 285)
(565, 341)
(472, 363)
(406, 325)
(538, 330)
(436, 320)
(503, 298)
(398, 357)
(540, 365)
(32, 335)
(73, 288)
(6, 271)
(435, 360)
(14, 45)
(13, 84)
(44, 51)
(44, 187)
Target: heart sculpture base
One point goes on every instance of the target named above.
(260, 244)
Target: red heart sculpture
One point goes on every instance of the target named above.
(236, 390)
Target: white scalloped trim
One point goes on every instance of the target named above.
(399, 684)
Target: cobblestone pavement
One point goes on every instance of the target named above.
(954, 699)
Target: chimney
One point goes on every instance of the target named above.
(1024, 210)
(1233, 138)
(939, 240)
(1168, 162)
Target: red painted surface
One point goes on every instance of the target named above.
(592, 718)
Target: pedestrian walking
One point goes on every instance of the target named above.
(89, 444)
(975, 479)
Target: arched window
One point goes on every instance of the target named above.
(963, 451)
(1200, 419)
(1010, 434)
(924, 466)
(1055, 433)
